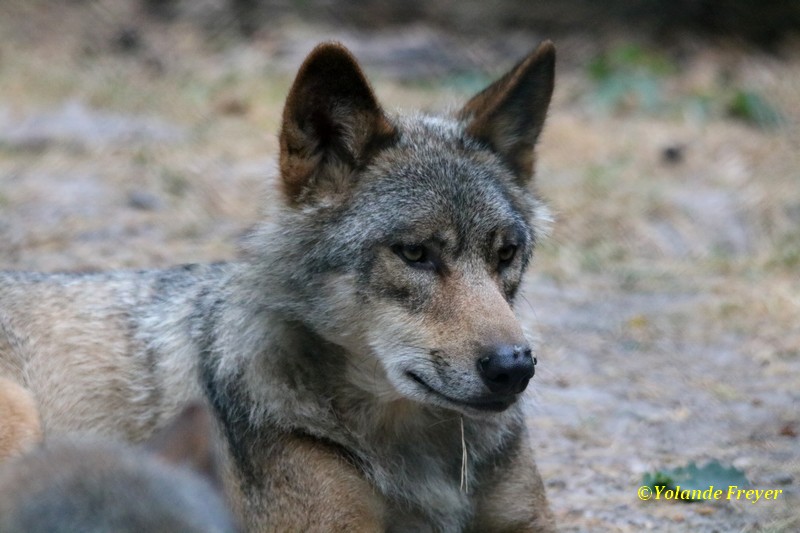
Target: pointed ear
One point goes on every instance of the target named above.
(332, 124)
(509, 114)
(189, 441)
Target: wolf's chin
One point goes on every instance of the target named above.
(480, 407)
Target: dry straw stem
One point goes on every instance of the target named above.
(464, 464)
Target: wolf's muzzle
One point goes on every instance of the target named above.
(507, 369)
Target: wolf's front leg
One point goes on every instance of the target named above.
(306, 485)
(512, 499)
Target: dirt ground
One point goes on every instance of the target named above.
(667, 298)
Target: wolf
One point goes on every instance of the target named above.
(91, 484)
(362, 356)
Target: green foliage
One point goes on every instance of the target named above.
(175, 183)
(467, 82)
(629, 58)
(753, 108)
(630, 76)
(657, 479)
(691, 477)
(786, 252)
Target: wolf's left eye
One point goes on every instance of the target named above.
(506, 254)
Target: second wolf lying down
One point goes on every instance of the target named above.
(81, 484)
(363, 359)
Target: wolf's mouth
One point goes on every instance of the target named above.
(495, 405)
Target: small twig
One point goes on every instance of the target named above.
(464, 461)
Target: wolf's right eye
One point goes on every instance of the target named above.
(414, 254)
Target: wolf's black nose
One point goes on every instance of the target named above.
(508, 369)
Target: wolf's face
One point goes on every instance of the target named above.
(423, 229)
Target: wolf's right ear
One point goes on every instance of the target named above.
(509, 114)
(332, 124)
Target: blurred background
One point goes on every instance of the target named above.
(142, 133)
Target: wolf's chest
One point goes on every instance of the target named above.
(426, 488)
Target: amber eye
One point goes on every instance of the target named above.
(413, 253)
(506, 253)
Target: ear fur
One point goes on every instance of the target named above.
(189, 441)
(332, 124)
(509, 114)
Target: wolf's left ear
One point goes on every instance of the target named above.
(332, 124)
(509, 114)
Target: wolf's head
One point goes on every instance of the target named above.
(405, 237)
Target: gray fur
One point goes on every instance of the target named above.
(89, 486)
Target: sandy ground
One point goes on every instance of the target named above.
(667, 298)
